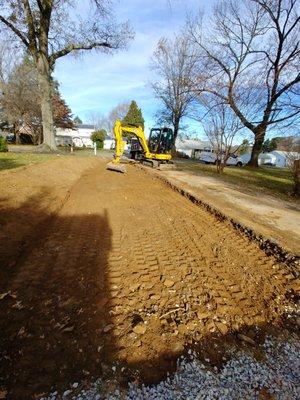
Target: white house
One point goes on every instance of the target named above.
(109, 143)
(193, 148)
(79, 137)
(278, 158)
(245, 158)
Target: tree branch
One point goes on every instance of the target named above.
(30, 24)
(14, 30)
(75, 47)
(277, 121)
(287, 86)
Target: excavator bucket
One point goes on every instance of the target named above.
(116, 167)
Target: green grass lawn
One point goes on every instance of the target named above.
(15, 160)
(264, 179)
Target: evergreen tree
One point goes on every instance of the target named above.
(270, 145)
(77, 120)
(134, 116)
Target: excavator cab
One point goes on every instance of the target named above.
(161, 140)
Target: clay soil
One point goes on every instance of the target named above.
(101, 270)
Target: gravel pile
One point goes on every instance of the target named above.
(243, 377)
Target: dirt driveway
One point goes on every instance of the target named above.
(269, 216)
(125, 272)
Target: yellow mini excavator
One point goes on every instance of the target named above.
(154, 152)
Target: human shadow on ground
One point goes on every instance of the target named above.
(54, 300)
(56, 326)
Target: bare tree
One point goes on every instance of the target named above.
(97, 119)
(291, 146)
(21, 99)
(222, 128)
(289, 143)
(48, 31)
(8, 59)
(250, 57)
(174, 64)
(107, 122)
(117, 112)
(20, 103)
(296, 176)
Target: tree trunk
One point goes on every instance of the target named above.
(43, 69)
(297, 177)
(176, 129)
(40, 136)
(17, 135)
(257, 147)
(221, 168)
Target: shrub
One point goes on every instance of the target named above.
(3, 145)
(98, 137)
(99, 144)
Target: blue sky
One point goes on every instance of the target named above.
(97, 82)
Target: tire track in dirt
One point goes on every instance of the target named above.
(130, 272)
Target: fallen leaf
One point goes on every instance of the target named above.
(246, 339)
(21, 332)
(18, 305)
(69, 329)
(108, 328)
(3, 295)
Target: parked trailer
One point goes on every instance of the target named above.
(211, 158)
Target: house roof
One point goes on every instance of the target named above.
(189, 144)
(85, 126)
(267, 155)
(284, 153)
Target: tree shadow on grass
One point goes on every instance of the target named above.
(8, 163)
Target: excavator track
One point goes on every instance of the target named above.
(150, 163)
(159, 165)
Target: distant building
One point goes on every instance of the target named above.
(193, 148)
(278, 158)
(109, 143)
(245, 158)
(79, 137)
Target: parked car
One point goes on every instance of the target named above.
(211, 158)
(10, 138)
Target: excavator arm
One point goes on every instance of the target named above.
(136, 131)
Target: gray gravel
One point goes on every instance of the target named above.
(240, 378)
